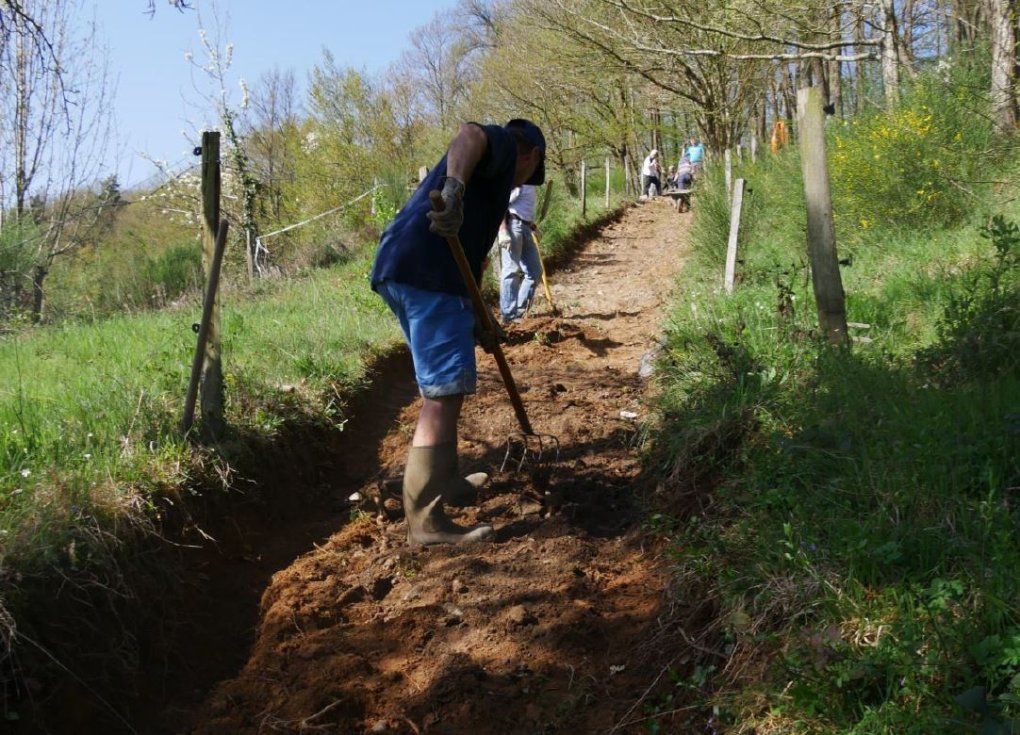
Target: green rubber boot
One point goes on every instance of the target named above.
(457, 491)
(429, 479)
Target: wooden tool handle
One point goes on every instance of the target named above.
(484, 317)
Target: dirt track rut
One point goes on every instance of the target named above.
(553, 628)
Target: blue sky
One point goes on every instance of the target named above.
(156, 87)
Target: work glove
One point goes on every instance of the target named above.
(447, 223)
(487, 339)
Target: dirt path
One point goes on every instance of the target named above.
(555, 627)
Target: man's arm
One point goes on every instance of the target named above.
(465, 151)
(462, 157)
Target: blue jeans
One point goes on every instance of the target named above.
(439, 328)
(520, 269)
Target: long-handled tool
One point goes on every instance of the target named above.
(533, 446)
(542, 211)
(545, 281)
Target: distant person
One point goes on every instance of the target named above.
(416, 275)
(520, 262)
(684, 181)
(650, 175)
(696, 154)
(684, 174)
(779, 138)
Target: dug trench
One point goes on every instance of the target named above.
(310, 613)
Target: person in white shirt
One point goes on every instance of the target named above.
(650, 174)
(520, 262)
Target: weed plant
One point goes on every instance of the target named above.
(850, 513)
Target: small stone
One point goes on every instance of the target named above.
(412, 594)
(629, 415)
(454, 615)
(518, 615)
(531, 508)
(458, 587)
(380, 726)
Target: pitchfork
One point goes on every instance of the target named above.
(532, 446)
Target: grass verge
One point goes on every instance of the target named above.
(847, 515)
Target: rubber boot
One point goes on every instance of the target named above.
(458, 491)
(429, 474)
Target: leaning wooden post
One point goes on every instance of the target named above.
(208, 305)
(731, 247)
(584, 189)
(821, 234)
(212, 369)
(607, 182)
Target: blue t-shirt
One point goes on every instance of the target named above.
(695, 153)
(408, 253)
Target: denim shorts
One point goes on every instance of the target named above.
(439, 328)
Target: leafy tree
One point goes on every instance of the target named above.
(271, 128)
(54, 124)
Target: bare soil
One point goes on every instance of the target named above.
(558, 626)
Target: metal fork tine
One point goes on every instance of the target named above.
(533, 449)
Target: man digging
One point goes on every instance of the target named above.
(416, 275)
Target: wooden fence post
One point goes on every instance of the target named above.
(212, 369)
(626, 175)
(731, 247)
(728, 170)
(821, 233)
(584, 189)
(607, 182)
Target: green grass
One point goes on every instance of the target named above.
(89, 414)
(848, 514)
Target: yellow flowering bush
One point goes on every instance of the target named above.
(908, 166)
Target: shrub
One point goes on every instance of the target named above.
(175, 271)
(910, 166)
(18, 242)
(979, 331)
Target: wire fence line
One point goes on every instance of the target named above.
(261, 255)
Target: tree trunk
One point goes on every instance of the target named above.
(1003, 34)
(905, 46)
(890, 55)
(859, 68)
(835, 71)
(39, 274)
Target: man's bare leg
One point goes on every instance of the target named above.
(437, 422)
